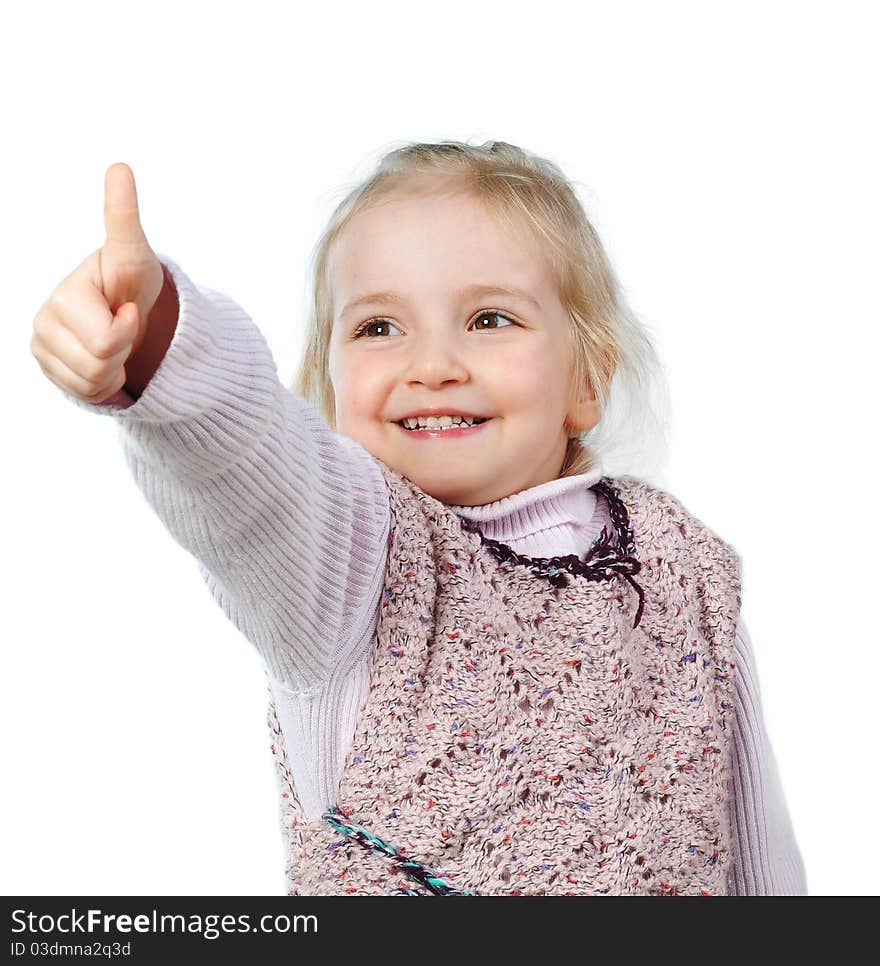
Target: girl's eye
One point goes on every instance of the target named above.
(489, 313)
(486, 313)
(363, 328)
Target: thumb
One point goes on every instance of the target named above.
(122, 221)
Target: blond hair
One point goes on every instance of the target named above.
(613, 358)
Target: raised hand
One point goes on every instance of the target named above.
(97, 317)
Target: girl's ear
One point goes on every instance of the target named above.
(583, 415)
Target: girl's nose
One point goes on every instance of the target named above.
(434, 361)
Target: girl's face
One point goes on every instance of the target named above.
(412, 265)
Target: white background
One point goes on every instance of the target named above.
(727, 155)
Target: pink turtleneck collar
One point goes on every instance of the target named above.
(559, 517)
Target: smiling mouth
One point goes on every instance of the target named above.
(452, 426)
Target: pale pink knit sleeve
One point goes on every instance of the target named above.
(767, 860)
(280, 511)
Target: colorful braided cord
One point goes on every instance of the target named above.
(413, 869)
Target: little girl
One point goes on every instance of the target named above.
(492, 668)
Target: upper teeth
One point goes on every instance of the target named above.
(414, 422)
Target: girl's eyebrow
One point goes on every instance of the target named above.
(376, 298)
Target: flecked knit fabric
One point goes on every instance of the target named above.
(520, 738)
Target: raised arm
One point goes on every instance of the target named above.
(287, 518)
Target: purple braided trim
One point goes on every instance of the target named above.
(603, 562)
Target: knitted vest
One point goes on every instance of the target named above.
(536, 726)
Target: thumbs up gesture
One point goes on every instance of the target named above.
(97, 317)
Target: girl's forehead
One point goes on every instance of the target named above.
(442, 227)
(437, 238)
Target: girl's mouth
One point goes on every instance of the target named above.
(436, 432)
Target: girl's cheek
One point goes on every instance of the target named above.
(523, 374)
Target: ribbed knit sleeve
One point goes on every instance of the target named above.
(768, 860)
(280, 511)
